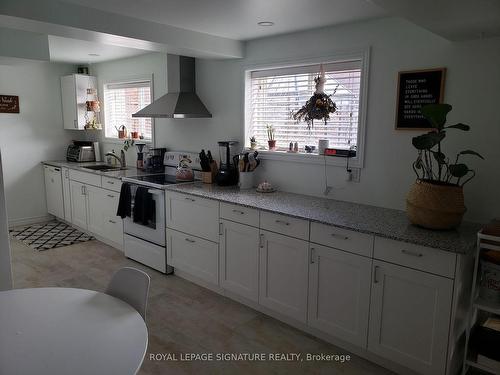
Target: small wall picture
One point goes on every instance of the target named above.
(9, 104)
(418, 88)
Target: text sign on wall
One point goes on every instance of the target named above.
(416, 89)
(9, 104)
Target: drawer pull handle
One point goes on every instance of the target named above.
(57, 169)
(238, 212)
(221, 229)
(110, 182)
(190, 240)
(339, 236)
(112, 221)
(313, 251)
(282, 222)
(375, 274)
(261, 241)
(412, 253)
(190, 199)
(111, 196)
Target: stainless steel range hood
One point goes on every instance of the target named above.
(181, 100)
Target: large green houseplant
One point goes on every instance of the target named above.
(436, 199)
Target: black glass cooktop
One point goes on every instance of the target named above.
(158, 179)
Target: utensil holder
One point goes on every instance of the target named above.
(246, 180)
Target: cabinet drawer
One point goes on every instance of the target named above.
(343, 239)
(193, 215)
(414, 256)
(193, 255)
(84, 177)
(240, 214)
(111, 183)
(283, 224)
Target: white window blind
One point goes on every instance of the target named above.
(121, 100)
(276, 93)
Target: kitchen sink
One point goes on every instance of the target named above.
(103, 168)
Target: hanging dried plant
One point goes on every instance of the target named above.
(319, 106)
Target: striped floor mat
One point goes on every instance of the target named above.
(49, 235)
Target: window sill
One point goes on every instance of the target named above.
(120, 141)
(305, 158)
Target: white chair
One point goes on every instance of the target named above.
(131, 286)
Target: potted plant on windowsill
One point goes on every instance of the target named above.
(436, 199)
(271, 142)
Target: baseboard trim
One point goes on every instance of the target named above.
(30, 220)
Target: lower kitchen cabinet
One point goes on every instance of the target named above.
(54, 191)
(78, 204)
(102, 220)
(339, 294)
(66, 194)
(193, 255)
(410, 317)
(239, 259)
(284, 274)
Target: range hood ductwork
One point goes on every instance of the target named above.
(181, 100)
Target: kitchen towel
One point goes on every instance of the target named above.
(125, 202)
(144, 207)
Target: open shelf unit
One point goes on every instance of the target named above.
(480, 306)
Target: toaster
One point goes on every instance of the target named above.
(80, 152)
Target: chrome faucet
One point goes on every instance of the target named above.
(121, 159)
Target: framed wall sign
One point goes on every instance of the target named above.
(9, 104)
(417, 88)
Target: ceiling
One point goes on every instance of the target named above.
(237, 19)
(81, 51)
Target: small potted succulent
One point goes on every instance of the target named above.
(253, 143)
(271, 142)
(436, 199)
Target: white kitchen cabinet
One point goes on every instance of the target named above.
(339, 294)
(66, 194)
(193, 255)
(54, 191)
(96, 209)
(74, 96)
(239, 259)
(78, 204)
(284, 263)
(410, 317)
(193, 215)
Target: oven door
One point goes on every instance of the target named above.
(154, 231)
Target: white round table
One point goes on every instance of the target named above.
(69, 331)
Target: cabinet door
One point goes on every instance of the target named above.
(66, 195)
(96, 209)
(68, 96)
(339, 294)
(53, 191)
(410, 317)
(193, 255)
(239, 259)
(113, 225)
(78, 204)
(194, 215)
(283, 280)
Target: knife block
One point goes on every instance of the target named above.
(208, 177)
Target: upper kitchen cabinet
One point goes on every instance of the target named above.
(74, 97)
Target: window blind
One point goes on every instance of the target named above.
(277, 93)
(121, 100)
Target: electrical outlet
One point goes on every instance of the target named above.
(355, 174)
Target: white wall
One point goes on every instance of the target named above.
(473, 78)
(143, 66)
(33, 135)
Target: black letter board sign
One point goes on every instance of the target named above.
(418, 88)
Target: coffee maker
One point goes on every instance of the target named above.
(228, 170)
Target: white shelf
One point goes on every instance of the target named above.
(489, 306)
(486, 237)
(481, 367)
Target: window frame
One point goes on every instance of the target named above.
(362, 55)
(126, 80)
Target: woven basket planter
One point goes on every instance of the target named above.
(435, 206)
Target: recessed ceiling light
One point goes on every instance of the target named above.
(266, 23)
(94, 54)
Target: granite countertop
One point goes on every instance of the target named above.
(383, 222)
(129, 172)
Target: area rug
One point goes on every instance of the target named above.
(49, 235)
